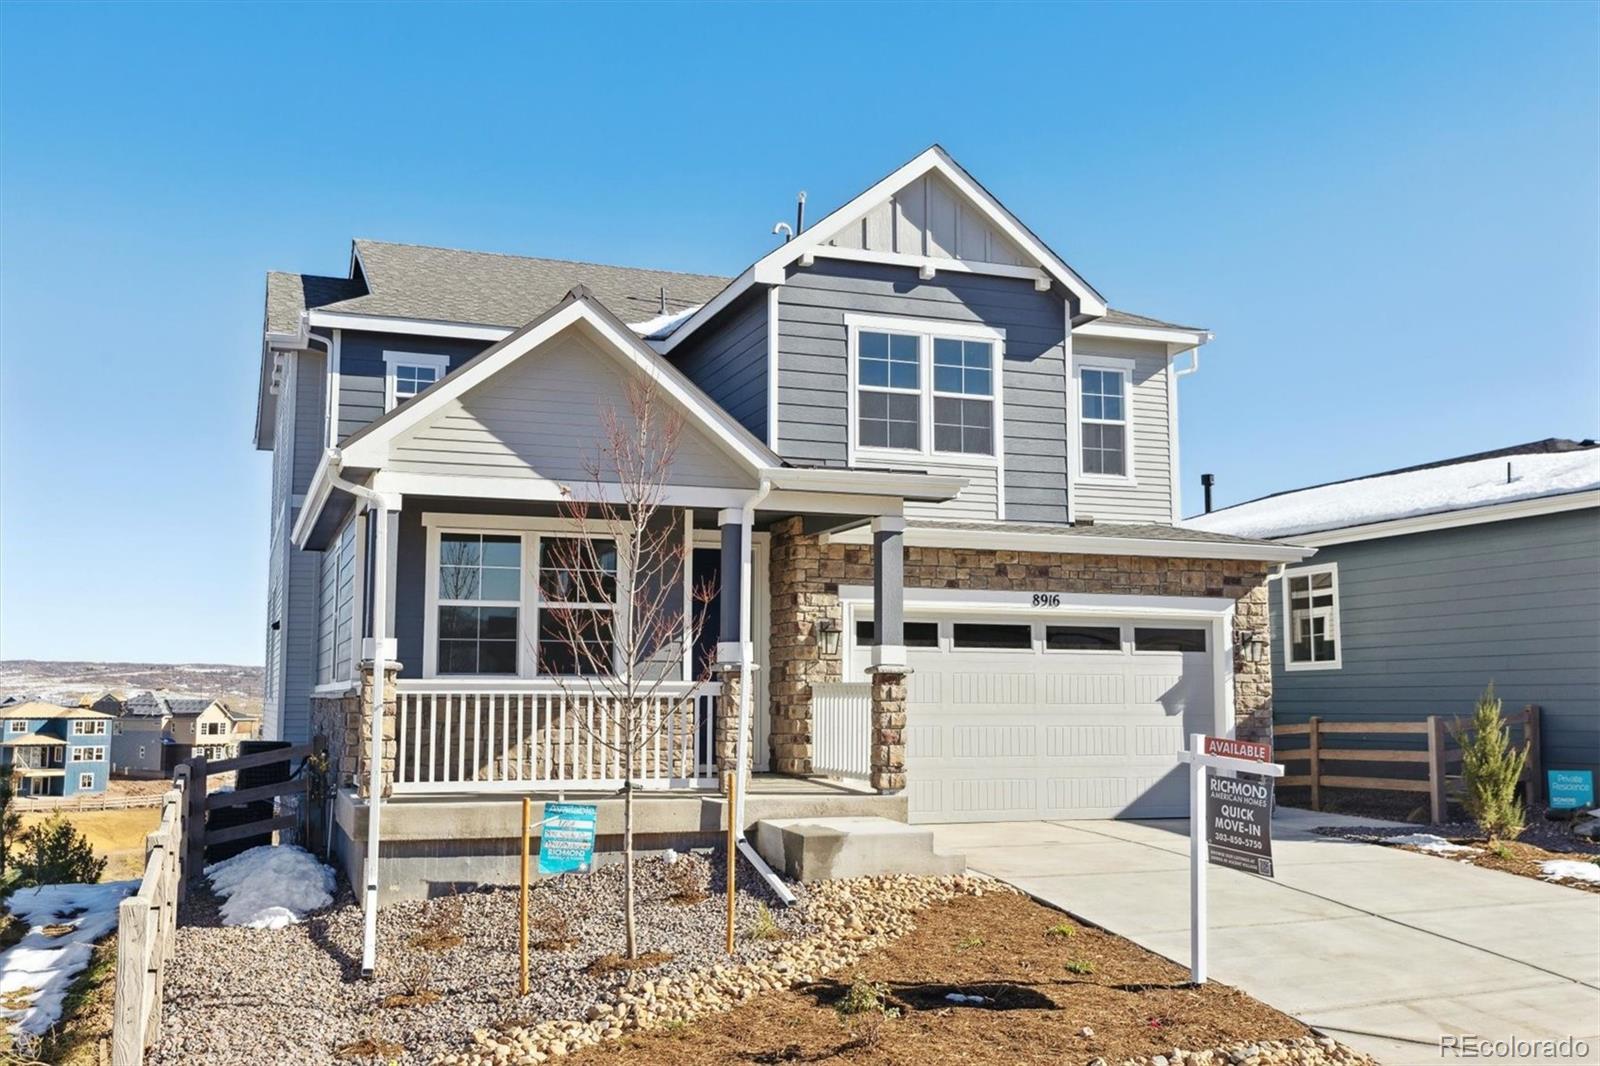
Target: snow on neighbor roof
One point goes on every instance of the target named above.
(38, 709)
(654, 329)
(1412, 492)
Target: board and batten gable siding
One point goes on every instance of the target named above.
(729, 361)
(813, 376)
(1428, 620)
(1149, 498)
(362, 370)
(930, 217)
(542, 416)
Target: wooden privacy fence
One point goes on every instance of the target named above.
(1439, 757)
(147, 921)
(146, 924)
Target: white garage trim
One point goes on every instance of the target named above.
(1215, 611)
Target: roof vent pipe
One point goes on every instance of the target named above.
(800, 213)
(663, 299)
(1206, 481)
(785, 229)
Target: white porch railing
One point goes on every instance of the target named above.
(841, 730)
(478, 736)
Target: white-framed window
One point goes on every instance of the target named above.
(1105, 418)
(509, 597)
(924, 390)
(82, 727)
(408, 373)
(96, 754)
(16, 725)
(1311, 618)
(85, 781)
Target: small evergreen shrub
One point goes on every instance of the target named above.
(54, 852)
(1491, 770)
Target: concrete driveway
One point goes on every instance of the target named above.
(1381, 948)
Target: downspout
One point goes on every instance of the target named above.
(741, 747)
(376, 505)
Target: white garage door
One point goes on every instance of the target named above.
(1052, 718)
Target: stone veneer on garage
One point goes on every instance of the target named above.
(806, 576)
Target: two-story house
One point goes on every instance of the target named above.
(154, 732)
(55, 751)
(933, 475)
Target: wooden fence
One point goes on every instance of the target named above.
(87, 803)
(147, 921)
(1439, 757)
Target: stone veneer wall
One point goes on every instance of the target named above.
(805, 589)
(343, 720)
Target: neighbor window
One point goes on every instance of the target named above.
(1311, 618)
(1082, 638)
(925, 388)
(1153, 639)
(85, 781)
(577, 591)
(991, 635)
(88, 754)
(16, 725)
(87, 728)
(1103, 410)
(408, 373)
(480, 603)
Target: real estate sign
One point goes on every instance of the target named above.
(566, 838)
(1239, 823)
(1570, 789)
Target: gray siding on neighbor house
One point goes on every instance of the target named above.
(1429, 619)
(361, 370)
(813, 367)
(729, 362)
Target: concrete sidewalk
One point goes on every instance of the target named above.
(1381, 948)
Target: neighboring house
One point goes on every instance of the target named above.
(155, 732)
(1431, 581)
(54, 750)
(936, 451)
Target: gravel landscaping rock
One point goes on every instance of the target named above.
(1541, 832)
(249, 996)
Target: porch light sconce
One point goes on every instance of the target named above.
(828, 636)
(1252, 646)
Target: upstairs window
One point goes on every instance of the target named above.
(82, 727)
(1103, 420)
(1311, 618)
(16, 725)
(923, 389)
(408, 373)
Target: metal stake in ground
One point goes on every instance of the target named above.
(1200, 758)
(522, 913)
(733, 821)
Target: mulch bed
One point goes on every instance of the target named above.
(1524, 859)
(1003, 947)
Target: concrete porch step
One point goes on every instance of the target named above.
(826, 849)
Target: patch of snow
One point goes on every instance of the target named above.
(1431, 842)
(40, 968)
(271, 886)
(661, 326)
(958, 997)
(1418, 492)
(1570, 870)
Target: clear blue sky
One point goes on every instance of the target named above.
(1387, 214)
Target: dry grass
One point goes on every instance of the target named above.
(371, 1047)
(118, 836)
(612, 963)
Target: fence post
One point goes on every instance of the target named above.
(179, 799)
(1314, 738)
(1437, 769)
(197, 816)
(1534, 770)
(128, 1025)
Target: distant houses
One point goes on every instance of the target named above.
(54, 750)
(144, 735)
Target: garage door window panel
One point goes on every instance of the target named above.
(992, 636)
(1157, 638)
(917, 634)
(1083, 638)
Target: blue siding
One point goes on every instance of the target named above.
(361, 370)
(729, 361)
(1429, 619)
(813, 363)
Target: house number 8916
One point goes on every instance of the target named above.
(1047, 599)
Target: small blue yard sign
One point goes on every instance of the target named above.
(566, 838)
(1570, 789)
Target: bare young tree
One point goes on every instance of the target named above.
(618, 618)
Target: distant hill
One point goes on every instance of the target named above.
(240, 685)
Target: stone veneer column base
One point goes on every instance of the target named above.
(343, 720)
(888, 729)
(725, 739)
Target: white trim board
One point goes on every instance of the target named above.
(998, 537)
(1471, 516)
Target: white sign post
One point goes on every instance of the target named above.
(1200, 760)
